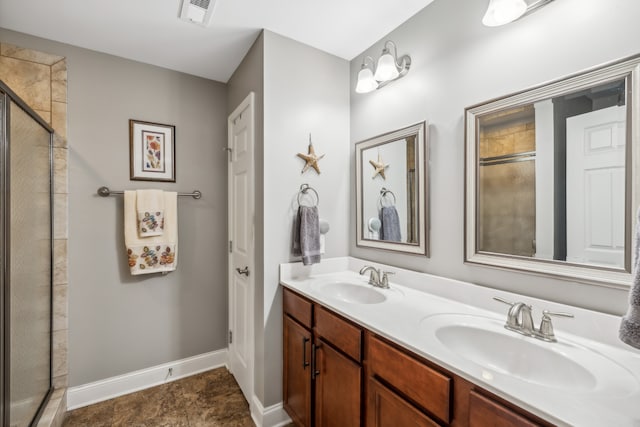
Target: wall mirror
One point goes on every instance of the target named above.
(391, 191)
(552, 177)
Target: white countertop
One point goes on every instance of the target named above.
(404, 318)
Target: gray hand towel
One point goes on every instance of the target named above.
(630, 325)
(390, 229)
(306, 235)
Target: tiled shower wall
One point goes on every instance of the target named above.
(40, 79)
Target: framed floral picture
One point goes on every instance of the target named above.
(153, 151)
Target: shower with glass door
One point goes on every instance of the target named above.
(25, 261)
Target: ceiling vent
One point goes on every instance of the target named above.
(197, 11)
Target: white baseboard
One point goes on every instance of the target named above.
(109, 388)
(272, 416)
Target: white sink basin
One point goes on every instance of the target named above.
(351, 292)
(563, 365)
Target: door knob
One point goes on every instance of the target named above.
(244, 270)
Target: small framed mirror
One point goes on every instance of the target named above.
(391, 191)
(552, 177)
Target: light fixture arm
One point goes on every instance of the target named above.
(404, 62)
(364, 63)
(535, 6)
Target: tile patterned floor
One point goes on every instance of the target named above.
(209, 399)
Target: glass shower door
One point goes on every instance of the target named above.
(27, 265)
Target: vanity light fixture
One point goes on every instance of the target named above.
(501, 12)
(389, 68)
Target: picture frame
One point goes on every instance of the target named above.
(152, 151)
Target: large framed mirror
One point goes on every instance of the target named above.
(553, 177)
(391, 191)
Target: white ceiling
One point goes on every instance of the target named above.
(150, 30)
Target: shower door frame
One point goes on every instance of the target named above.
(5, 234)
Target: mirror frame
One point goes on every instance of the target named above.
(627, 69)
(422, 190)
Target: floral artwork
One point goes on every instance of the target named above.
(153, 149)
(152, 156)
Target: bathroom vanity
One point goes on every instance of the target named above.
(357, 355)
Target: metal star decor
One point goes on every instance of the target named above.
(379, 167)
(311, 158)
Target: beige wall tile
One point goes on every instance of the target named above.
(59, 141)
(46, 115)
(60, 308)
(60, 170)
(61, 381)
(60, 276)
(59, 81)
(31, 81)
(60, 216)
(59, 118)
(60, 344)
(28, 54)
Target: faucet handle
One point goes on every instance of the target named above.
(504, 301)
(545, 332)
(384, 280)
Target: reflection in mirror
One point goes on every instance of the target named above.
(552, 180)
(390, 182)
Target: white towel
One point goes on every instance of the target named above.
(151, 254)
(630, 326)
(150, 212)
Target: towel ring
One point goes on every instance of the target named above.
(384, 195)
(304, 188)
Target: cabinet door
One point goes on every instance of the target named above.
(387, 409)
(338, 388)
(484, 412)
(297, 372)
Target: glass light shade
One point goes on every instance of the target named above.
(386, 69)
(502, 12)
(366, 82)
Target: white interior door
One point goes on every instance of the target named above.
(595, 187)
(241, 243)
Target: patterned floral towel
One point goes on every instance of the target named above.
(155, 254)
(150, 212)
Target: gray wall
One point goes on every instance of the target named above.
(248, 77)
(305, 91)
(118, 323)
(294, 98)
(457, 62)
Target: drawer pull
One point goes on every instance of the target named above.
(314, 361)
(304, 353)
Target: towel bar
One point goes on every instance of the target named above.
(105, 192)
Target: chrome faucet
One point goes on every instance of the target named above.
(377, 278)
(520, 320)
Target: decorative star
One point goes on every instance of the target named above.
(311, 158)
(379, 167)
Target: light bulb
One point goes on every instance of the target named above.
(366, 82)
(386, 69)
(502, 12)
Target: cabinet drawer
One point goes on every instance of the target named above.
(339, 332)
(297, 307)
(484, 412)
(425, 386)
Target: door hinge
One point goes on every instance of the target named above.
(230, 246)
(230, 337)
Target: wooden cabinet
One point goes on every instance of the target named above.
(322, 364)
(337, 374)
(385, 408)
(338, 388)
(297, 377)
